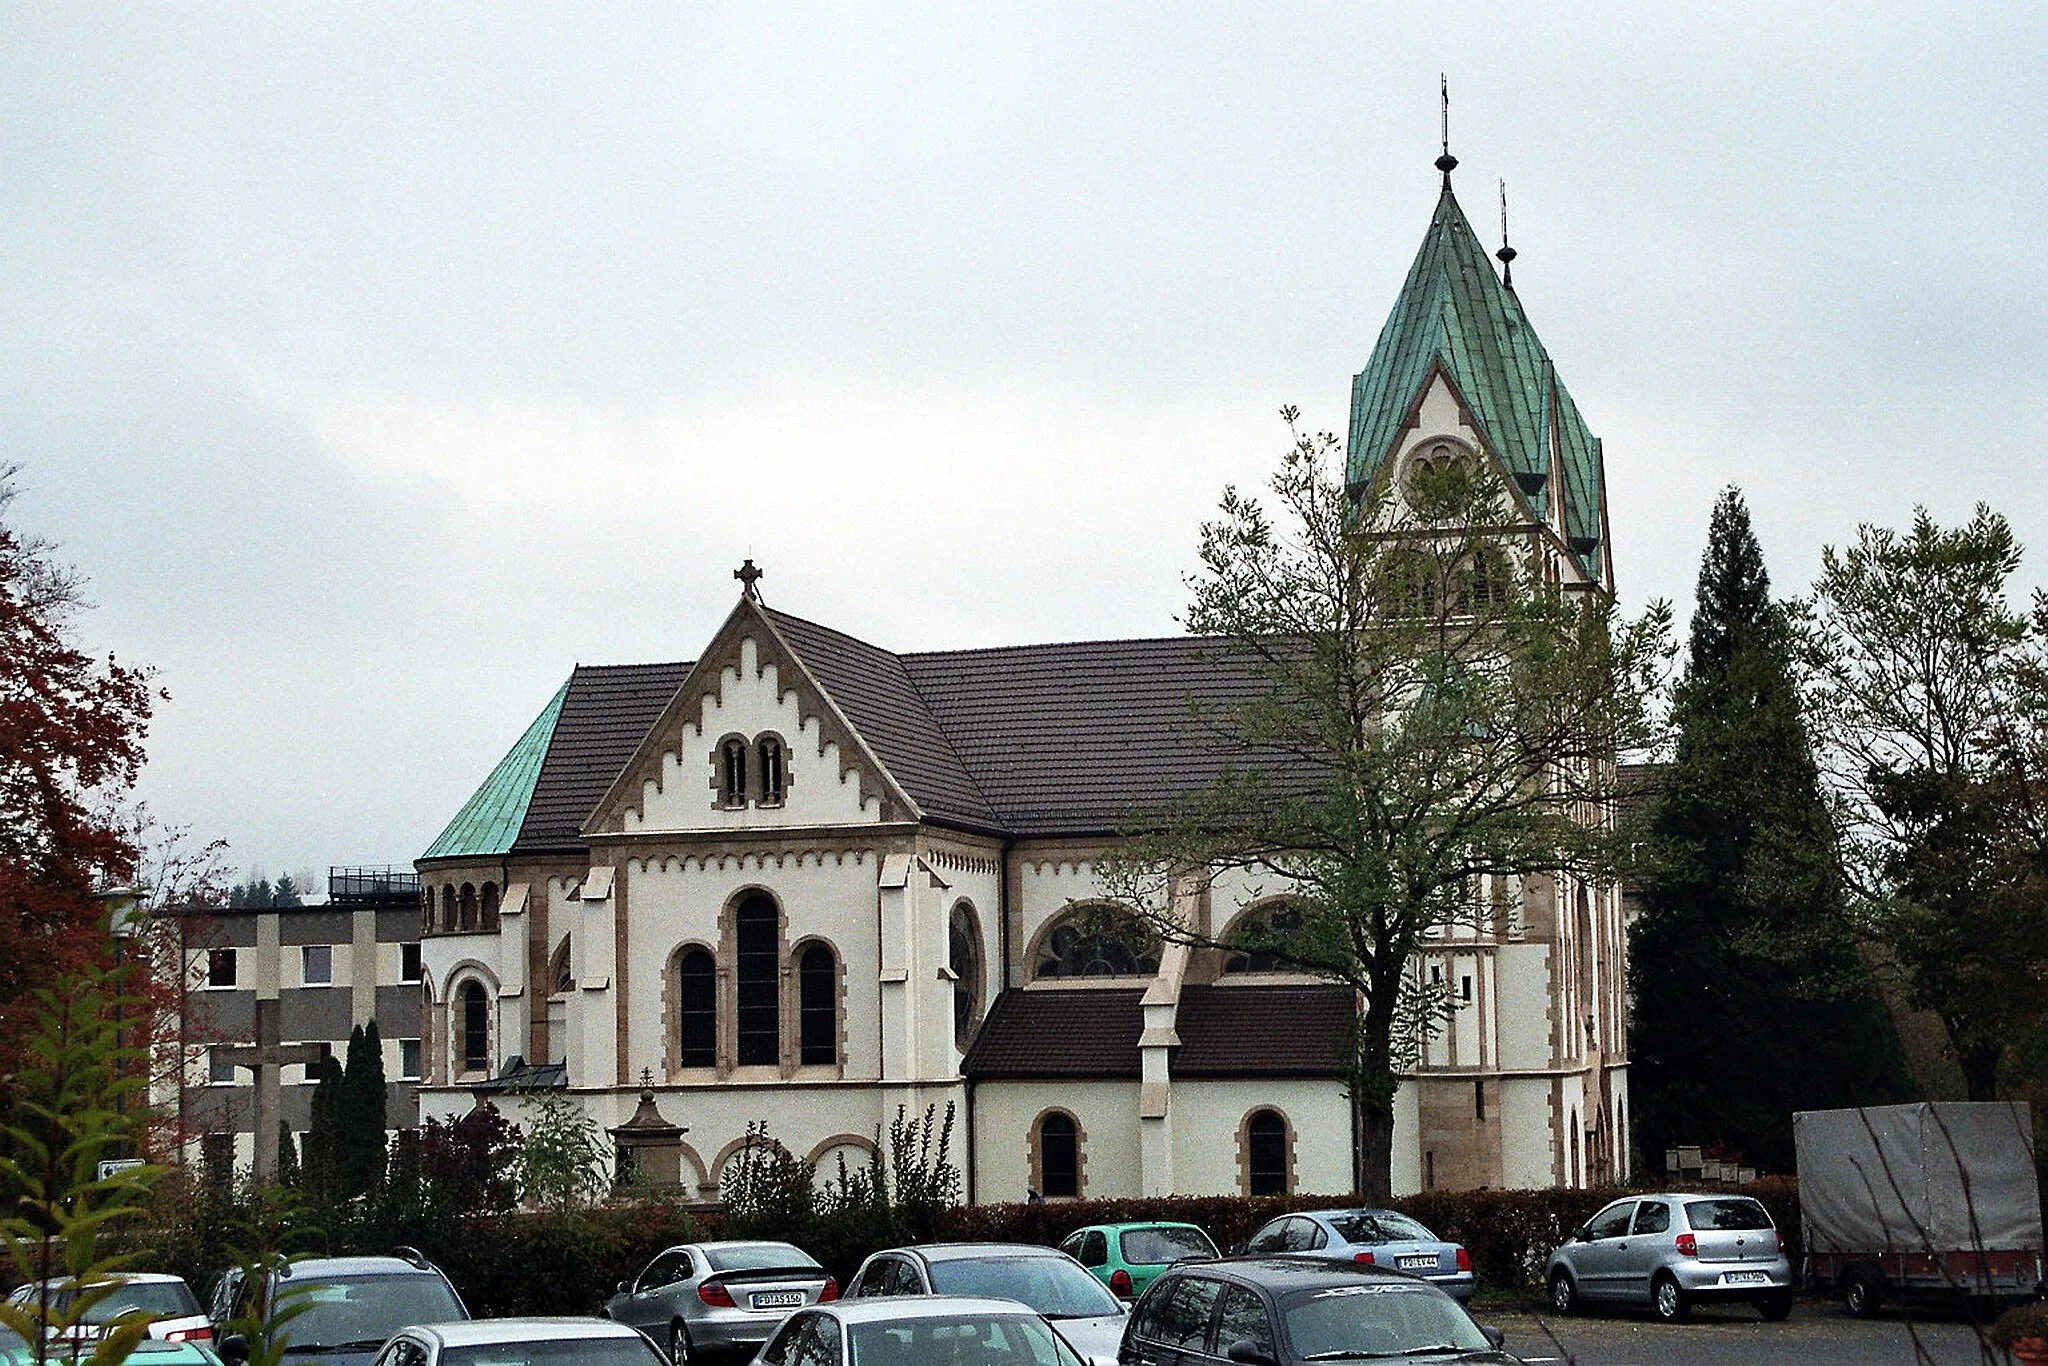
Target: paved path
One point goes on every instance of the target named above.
(1817, 1334)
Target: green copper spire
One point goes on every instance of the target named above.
(1453, 313)
(490, 820)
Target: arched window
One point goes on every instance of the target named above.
(490, 917)
(1574, 1137)
(732, 772)
(817, 990)
(773, 779)
(696, 1010)
(467, 919)
(1098, 941)
(1265, 1153)
(1258, 935)
(1410, 583)
(426, 910)
(560, 973)
(963, 956)
(758, 932)
(448, 908)
(1059, 1156)
(476, 1028)
(1491, 576)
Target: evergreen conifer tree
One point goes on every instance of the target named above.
(287, 1157)
(359, 1120)
(1750, 998)
(320, 1171)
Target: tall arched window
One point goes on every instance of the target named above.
(758, 933)
(1265, 1153)
(963, 956)
(490, 915)
(696, 1010)
(1098, 941)
(476, 1028)
(817, 987)
(773, 779)
(1059, 1157)
(732, 772)
(448, 908)
(467, 903)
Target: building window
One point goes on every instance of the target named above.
(466, 920)
(963, 956)
(219, 1071)
(758, 933)
(560, 975)
(773, 779)
(448, 908)
(1465, 987)
(732, 772)
(1479, 1098)
(408, 1059)
(1098, 941)
(1266, 1155)
(408, 962)
(1258, 934)
(220, 967)
(1059, 1156)
(490, 917)
(818, 1007)
(317, 965)
(696, 1010)
(476, 1028)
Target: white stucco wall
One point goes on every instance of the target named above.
(1108, 1115)
(1525, 1132)
(1209, 1116)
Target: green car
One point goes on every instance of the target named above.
(1125, 1257)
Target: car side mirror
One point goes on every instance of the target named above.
(1494, 1337)
(1247, 1353)
(233, 1347)
(625, 1288)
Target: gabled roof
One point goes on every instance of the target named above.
(489, 821)
(1454, 316)
(608, 711)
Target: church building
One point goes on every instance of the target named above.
(805, 879)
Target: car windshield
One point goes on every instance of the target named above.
(1376, 1319)
(1384, 1227)
(960, 1340)
(605, 1351)
(757, 1257)
(346, 1312)
(159, 1299)
(1714, 1215)
(1053, 1286)
(1158, 1246)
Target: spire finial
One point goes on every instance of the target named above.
(1446, 163)
(1506, 253)
(750, 579)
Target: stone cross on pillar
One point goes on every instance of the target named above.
(264, 1058)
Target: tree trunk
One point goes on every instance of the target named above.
(1979, 1065)
(1375, 1153)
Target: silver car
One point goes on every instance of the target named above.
(930, 1330)
(1671, 1252)
(519, 1342)
(1042, 1279)
(702, 1299)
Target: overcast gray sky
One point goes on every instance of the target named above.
(379, 363)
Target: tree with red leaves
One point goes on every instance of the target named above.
(71, 746)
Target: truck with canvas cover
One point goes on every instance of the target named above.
(1934, 1199)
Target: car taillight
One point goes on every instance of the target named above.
(1464, 1260)
(830, 1292)
(189, 1335)
(715, 1295)
(1688, 1246)
(1362, 1258)
(1781, 1244)
(1120, 1282)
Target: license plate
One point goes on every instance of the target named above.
(1744, 1278)
(1416, 1263)
(779, 1299)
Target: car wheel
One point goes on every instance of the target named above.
(678, 1344)
(1859, 1295)
(1669, 1301)
(1564, 1296)
(1775, 1308)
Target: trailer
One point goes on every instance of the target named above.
(1934, 1200)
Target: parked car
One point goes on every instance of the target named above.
(1042, 1279)
(1128, 1257)
(345, 1307)
(929, 1330)
(1672, 1251)
(1287, 1310)
(1370, 1237)
(520, 1342)
(163, 1352)
(701, 1299)
(172, 1308)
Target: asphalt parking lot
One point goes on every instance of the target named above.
(1819, 1333)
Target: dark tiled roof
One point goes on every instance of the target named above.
(607, 713)
(1055, 1033)
(1263, 1031)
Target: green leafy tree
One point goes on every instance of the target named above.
(564, 1161)
(1926, 690)
(1428, 710)
(1750, 998)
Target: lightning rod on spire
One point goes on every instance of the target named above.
(1446, 163)
(1506, 253)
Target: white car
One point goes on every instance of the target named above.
(175, 1315)
(919, 1330)
(520, 1342)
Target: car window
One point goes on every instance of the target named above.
(757, 1257)
(1612, 1222)
(1653, 1216)
(1384, 1227)
(776, 1353)
(1072, 1246)
(1095, 1250)
(1158, 1246)
(1271, 1238)
(1243, 1319)
(404, 1352)
(1734, 1214)
(816, 1345)
(1151, 1305)
(1377, 1318)
(362, 1309)
(903, 1277)
(1048, 1282)
(160, 1299)
(874, 1279)
(1300, 1235)
(669, 1267)
(960, 1340)
(1185, 1321)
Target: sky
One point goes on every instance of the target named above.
(376, 364)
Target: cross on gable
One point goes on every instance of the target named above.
(749, 576)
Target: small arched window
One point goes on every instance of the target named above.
(1259, 936)
(490, 915)
(696, 1010)
(1265, 1142)
(448, 908)
(732, 772)
(426, 910)
(1098, 941)
(773, 779)
(817, 981)
(963, 956)
(476, 1028)
(1059, 1157)
(757, 930)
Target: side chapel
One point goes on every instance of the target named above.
(806, 880)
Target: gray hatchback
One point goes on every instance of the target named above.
(1672, 1251)
(700, 1299)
